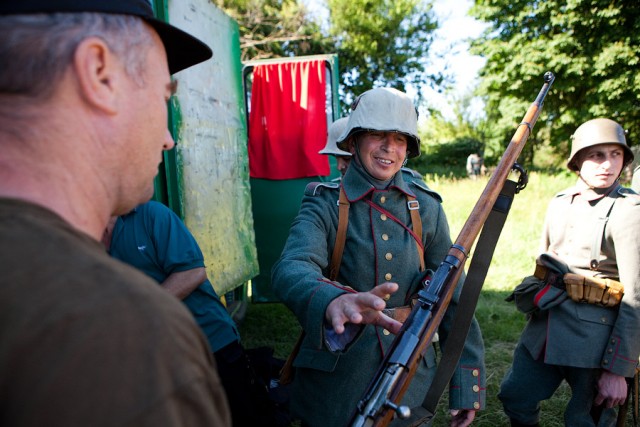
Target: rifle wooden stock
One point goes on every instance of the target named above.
(394, 375)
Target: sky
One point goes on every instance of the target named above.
(455, 27)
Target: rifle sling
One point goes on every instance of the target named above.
(468, 300)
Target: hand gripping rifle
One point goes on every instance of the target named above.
(381, 400)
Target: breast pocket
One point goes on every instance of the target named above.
(596, 314)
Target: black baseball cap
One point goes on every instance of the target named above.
(183, 50)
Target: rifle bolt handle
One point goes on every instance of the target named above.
(403, 412)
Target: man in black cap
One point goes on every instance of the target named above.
(86, 340)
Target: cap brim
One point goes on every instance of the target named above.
(183, 50)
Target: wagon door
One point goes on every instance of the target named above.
(290, 103)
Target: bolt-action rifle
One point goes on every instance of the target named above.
(382, 398)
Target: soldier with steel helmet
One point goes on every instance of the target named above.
(584, 323)
(331, 148)
(355, 256)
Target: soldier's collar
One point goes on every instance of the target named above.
(357, 186)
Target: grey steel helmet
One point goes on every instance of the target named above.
(335, 130)
(387, 110)
(596, 132)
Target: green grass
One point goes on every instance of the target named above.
(273, 325)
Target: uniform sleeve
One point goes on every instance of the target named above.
(621, 354)
(298, 277)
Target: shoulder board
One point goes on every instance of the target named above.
(314, 188)
(422, 186)
(624, 192)
(629, 194)
(412, 173)
(566, 192)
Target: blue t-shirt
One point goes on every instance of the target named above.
(153, 239)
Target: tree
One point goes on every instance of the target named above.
(593, 48)
(383, 43)
(378, 42)
(447, 142)
(274, 28)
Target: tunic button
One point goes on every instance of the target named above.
(476, 405)
(610, 351)
(613, 341)
(605, 361)
(387, 297)
(387, 276)
(476, 388)
(385, 237)
(383, 217)
(383, 199)
(388, 256)
(385, 332)
(603, 319)
(475, 373)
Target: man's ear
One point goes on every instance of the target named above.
(99, 72)
(351, 142)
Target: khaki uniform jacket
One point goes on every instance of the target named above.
(378, 248)
(586, 335)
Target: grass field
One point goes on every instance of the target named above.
(514, 257)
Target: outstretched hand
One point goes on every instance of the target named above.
(363, 308)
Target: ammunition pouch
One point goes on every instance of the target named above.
(594, 290)
(591, 290)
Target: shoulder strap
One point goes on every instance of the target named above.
(605, 207)
(416, 221)
(341, 235)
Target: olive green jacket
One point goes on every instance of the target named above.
(379, 248)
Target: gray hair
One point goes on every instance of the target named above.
(35, 50)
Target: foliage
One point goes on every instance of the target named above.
(383, 43)
(592, 46)
(447, 142)
(378, 42)
(274, 28)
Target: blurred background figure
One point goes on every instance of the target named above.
(474, 165)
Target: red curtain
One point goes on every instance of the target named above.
(288, 122)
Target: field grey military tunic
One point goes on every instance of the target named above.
(565, 333)
(588, 335)
(379, 247)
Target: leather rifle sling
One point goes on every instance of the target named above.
(472, 286)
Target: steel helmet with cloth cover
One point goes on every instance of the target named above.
(335, 130)
(183, 50)
(385, 110)
(597, 132)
